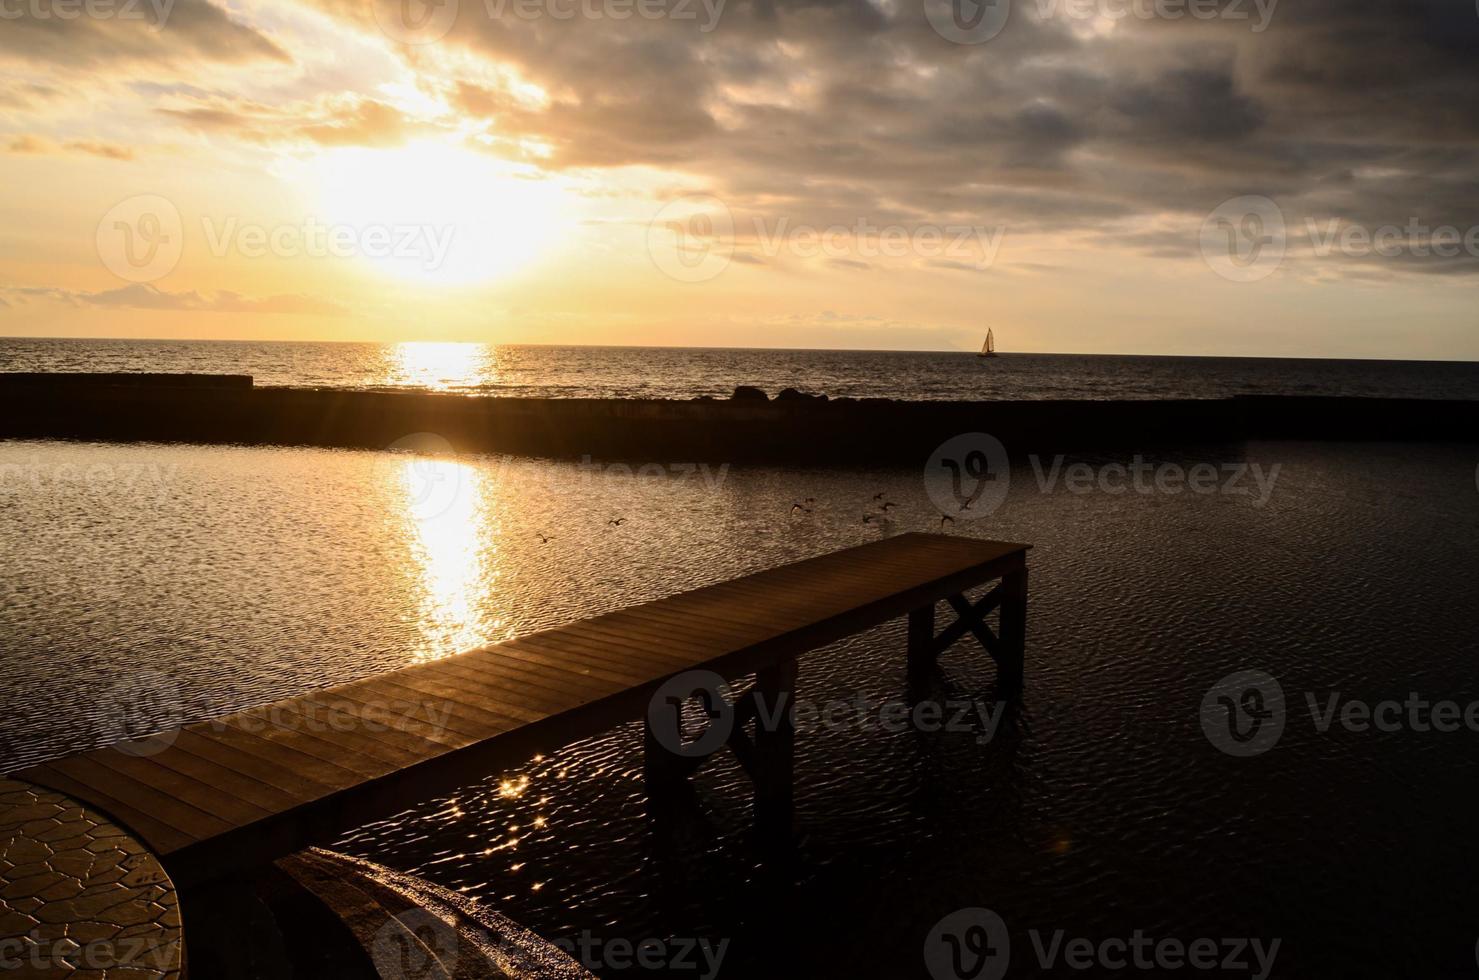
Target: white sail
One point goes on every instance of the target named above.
(989, 347)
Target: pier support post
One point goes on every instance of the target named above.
(775, 747)
(666, 761)
(660, 768)
(1013, 645)
(767, 756)
(921, 637)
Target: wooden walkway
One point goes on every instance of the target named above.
(220, 795)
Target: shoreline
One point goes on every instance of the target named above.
(229, 409)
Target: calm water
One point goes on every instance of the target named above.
(668, 372)
(211, 579)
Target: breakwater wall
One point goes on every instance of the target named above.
(229, 409)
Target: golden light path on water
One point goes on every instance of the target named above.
(441, 366)
(454, 538)
(448, 510)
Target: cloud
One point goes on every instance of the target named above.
(27, 144)
(110, 151)
(142, 296)
(956, 266)
(824, 111)
(27, 95)
(331, 121)
(154, 32)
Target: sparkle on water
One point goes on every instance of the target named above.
(242, 575)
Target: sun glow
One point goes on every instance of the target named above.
(439, 212)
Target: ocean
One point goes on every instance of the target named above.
(150, 584)
(677, 372)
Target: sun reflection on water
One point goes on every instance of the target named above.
(454, 542)
(441, 366)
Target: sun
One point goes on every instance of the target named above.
(437, 212)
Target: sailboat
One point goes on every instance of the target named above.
(988, 349)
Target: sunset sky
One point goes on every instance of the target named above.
(786, 173)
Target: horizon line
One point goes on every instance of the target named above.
(803, 350)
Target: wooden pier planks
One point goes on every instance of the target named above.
(265, 782)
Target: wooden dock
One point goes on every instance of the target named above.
(226, 794)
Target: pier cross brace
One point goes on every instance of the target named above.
(1007, 646)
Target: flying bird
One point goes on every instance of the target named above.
(543, 538)
(616, 521)
(877, 497)
(887, 504)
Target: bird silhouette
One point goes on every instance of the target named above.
(616, 521)
(543, 538)
(887, 504)
(877, 497)
(867, 518)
